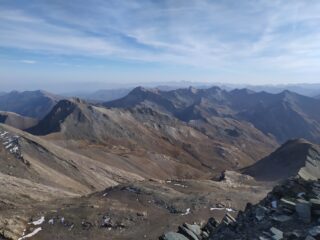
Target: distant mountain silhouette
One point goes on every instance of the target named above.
(285, 115)
(101, 95)
(35, 104)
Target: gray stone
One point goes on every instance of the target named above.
(173, 236)
(263, 238)
(260, 213)
(303, 208)
(309, 238)
(211, 225)
(315, 231)
(228, 219)
(277, 234)
(281, 218)
(204, 234)
(301, 195)
(188, 233)
(196, 229)
(315, 203)
(295, 234)
(316, 184)
(287, 203)
(274, 204)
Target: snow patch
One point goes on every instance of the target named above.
(38, 222)
(31, 234)
(180, 185)
(186, 213)
(227, 209)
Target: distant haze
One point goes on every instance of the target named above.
(66, 46)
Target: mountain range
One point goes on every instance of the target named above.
(150, 141)
(116, 92)
(140, 165)
(284, 115)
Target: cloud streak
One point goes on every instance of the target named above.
(28, 61)
(258, 34)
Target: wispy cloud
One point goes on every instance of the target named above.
(28, 61)
(205, 34)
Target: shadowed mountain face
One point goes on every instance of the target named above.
(34, 104)
(285, 115)
(16, 120)
(292, 158)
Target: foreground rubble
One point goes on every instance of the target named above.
(290, 211)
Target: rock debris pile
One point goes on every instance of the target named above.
(290, 211)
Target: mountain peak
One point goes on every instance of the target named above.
(193, 90)
(140, 89)
(52, 121)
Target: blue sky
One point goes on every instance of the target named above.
(49, 44)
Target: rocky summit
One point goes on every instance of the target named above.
(290, 211)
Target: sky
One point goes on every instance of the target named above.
(85, 44)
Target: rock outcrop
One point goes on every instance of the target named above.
(290, 211)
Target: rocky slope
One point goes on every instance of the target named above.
(151, 143)
(34, 104)
(290, 211)
(35, 160)
(285, 115)
(33, 170)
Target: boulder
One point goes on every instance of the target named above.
(315, 232)
(277, 234)
(188, 233)
(196, 229)
(287, 203)
(303, 209)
